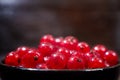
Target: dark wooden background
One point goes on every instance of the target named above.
(23, 22)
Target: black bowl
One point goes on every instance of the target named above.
(15, 73)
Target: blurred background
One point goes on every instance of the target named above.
(23, 22)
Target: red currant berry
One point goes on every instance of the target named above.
(76, 53)
(111, 57)
(31, 59)
(58, 41)
(12, 59)
(56, 61)
(47, 38)
(76, 62)
(21, 51)
(69, 43)
(83, 47)
(89, 55)
(46, 49)
(71, 38)
(72, 51)
(100, 49)
(106, 64)
(64, 52)
(46, 58)
(96, 63)
(95, 54)
(81, 55)
(41, 66)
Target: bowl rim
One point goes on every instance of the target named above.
(35, 69)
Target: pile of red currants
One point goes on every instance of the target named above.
(62, 53)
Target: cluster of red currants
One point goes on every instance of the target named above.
(62, 53)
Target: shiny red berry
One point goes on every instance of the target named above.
(111, 57)
(96, 63)
(47, 38)
(46, 58)
(64, 52)
(69, 43)
(88, 56)
(22, 50)
(56, 61)
(76, 62)
(46, 49)
(31, 59)
(79, 54)
(57, 41)
(71, 38)
(12, 59)
(83, 47)
(42, 66)
(100, 49)
(106, 64)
